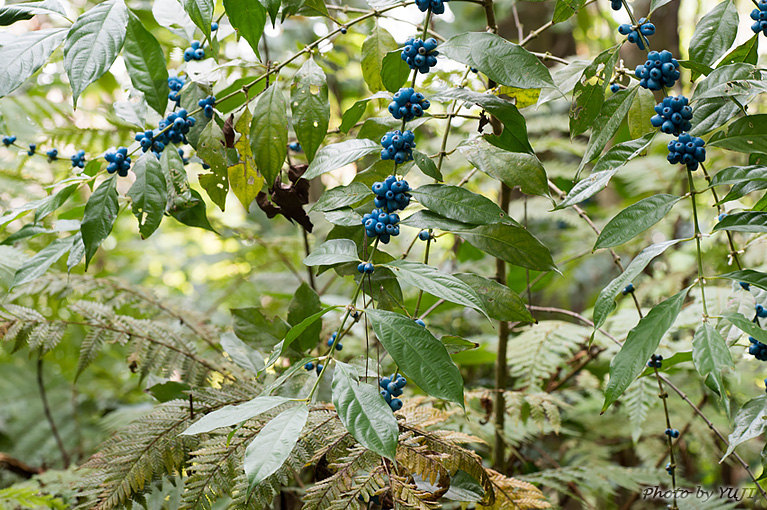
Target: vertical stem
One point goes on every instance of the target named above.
(670, 441)
(420, 292)
(307, 251)
(48, 415)
(698, 235)
(501, 369)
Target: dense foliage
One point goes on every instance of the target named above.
(463, 263)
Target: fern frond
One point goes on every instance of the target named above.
(637, 400)
(364, 488)
(513, 494)
(407, 495)
(323, 493)
(537, 353)
(15, 497)
(417, 459)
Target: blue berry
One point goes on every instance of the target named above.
(721, 217)
(420, 322)
(660, 69)
(380, 224)
(408, 104)
(759, 15)
(391, 195)
(386, 395)
(655, 361)
(688, 150)
(213, 26)
(175, 83)
(745, 285)
(398, 146)
(195, 52)
(32, 149)
(309, 366)
(343, 30)
(319, 368)
(384, 382)
(78, 160)
(9, 140)
(615, 88)
(672, 115)
(669, 469)
(118, 160)
(637, 34)
(52, 154)
(424, 235)
(361, 267)
(616, 5)
(420, 55)
(295, 147)
(757, 349)
(401, 381)
(395, 404)
(369, 268)
(628, 289)
(761, 312)
(437, 6)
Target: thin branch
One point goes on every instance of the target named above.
(48, 415)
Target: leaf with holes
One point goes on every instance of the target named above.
(310, 107)
(211, 149)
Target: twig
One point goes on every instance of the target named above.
(48, 415)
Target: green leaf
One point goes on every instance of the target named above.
(604, 169)
(501, 61)
(747, 134)
(605, 303)
(148, 194)
(357, 110)
(710, 354)
(274, 444)
(23, 55)
(427, 166)
(272, 7)
(437, 283)
(455, 344)
(459, 204)
(749, 221)
(192, 212)
(201, 14)
(93, 43)
(55, 201)
(251, 326)
(242, 354)
(747, 52)
(145, 62)
(635, 219)
(10, 14)
(739, 175)
(500, 302)
(714, 34)
(394, 71)
(589, 91)
(750, 422)
(342, 196)
(426, 219)
(334, 156)
(747, 326)
(374, 49)
(248, 18)
(641, 343)
(76, 253)
(655, 4)
(564, 9)
(245, 182)
(305, 303)
(607, 123)
(676, 359)
(210, 148)
(294, 333)
(99, 216)
(364, 412)
(310, 107)
(269, 133)
(516, 245)
(166, 390)
(641, 111)
(420, 356)
(514, 136)
(755, 278)
(36, 266)
(730, 80)
(511, 168)
(234, 414)
(335, 251)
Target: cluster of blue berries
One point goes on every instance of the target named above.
(118, 160)
(78, 159)
(207, 105)
(398, 146)
(9, 140)
(688, 150)
(757, 349)
(294, 146)
(391, 194)
(175, 83)
(437, 6)
(172, 129)
(637, 33)
(196, 52)
(759, 15)
(661, 69)
(381, 224)
(421, 55)
(673, 433)
(311, 366)
(408, 104)
(672, 115)
(655, 361)
(628, 289)
(366, 267)
(391, 389)
(339, 345)
(52, 154)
